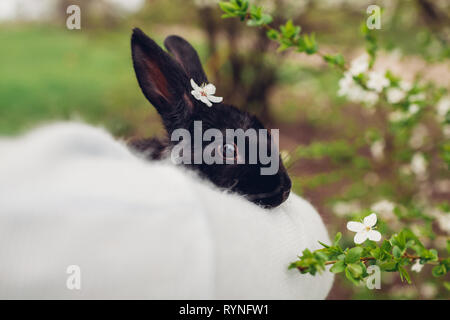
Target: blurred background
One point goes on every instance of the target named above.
(50, 73)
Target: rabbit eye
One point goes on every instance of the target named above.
(228, 151)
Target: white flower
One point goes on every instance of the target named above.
(377, 150)
(419, 165)
(346, 84)
(417, 97)
(385, 208)
(405, 86)
(444, 222)
(413, 109)
(397, 116)
(205, 93)
(443, 107)
(377, 81)
(417, 267)
(395, 95)
(342, 208)
(443, 219)
(364, 230)
(354, 92)
(370, 98)
(359, 65)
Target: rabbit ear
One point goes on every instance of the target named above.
(187, 57)
(162, 80)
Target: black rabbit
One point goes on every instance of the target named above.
(165, 80)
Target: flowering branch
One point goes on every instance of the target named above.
(365, 259)
(288, 35)
(391, 256)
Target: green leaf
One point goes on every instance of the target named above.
(447, 285)
(364, 269)
(404, 275)
(336, 60)
(399, 240)
(289, 30)
(323, 244)
(389, 266)
(310, 43)
(353, 255)
(321, 256)
(307, 253)
(227, 7)
(283, 47)
(355, 269)
(439, 270)
(293, 265)
(350, 277)
(376, 253)
(241, 4)
(338, 267)
(397, 252)
(258, 18)
(337, 238)
(301, 46)
(273, 34)
(255, 11)
(429, 255)
(266, 18)
(227, 15)
(386, 246)
(434, 255)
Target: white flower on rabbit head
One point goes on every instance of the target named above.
(205, 93)
(364, 230)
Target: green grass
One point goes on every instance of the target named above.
(48, 74)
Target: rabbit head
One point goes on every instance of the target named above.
(165, 80)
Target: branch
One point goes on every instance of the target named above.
(365, 259)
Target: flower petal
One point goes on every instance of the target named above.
(196, 94)
(194, 85)
(355, 226)
(205, 101)
(417, 267)
(360, 237)
(374, 235)
(370, 220)
(210, 89)
(215, 99)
